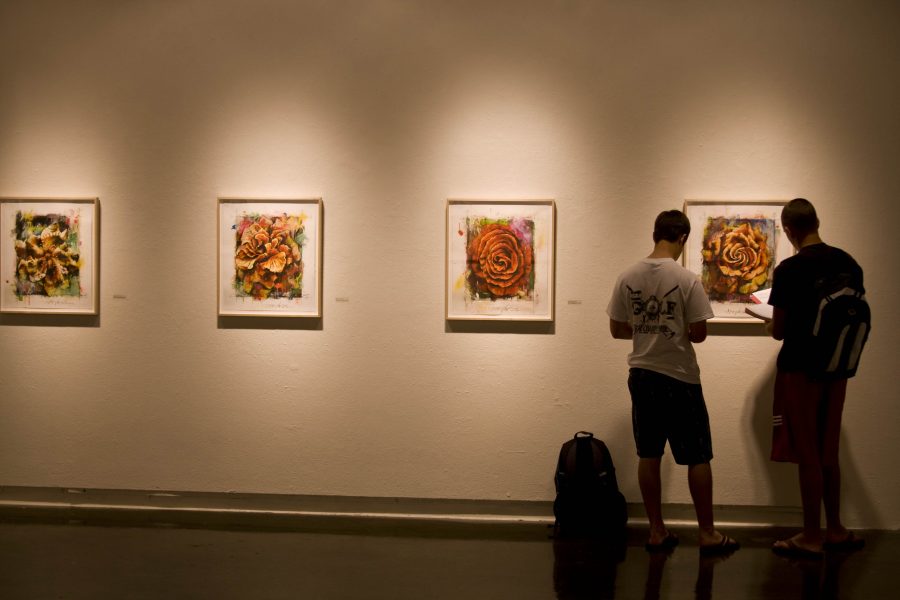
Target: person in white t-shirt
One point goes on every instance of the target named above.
(663, 308)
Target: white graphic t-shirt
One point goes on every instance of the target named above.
(659, 298)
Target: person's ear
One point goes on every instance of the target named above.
(791, 238)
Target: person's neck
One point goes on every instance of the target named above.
(810, 240)
(666, 249)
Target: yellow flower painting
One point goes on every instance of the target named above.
(48, 261)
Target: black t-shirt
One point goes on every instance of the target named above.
(794, 289)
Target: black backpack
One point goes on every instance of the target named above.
(588, 501)
(841, 329)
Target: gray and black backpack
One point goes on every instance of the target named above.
(841, 329)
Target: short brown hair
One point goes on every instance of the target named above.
(670, 225)
(799, 215)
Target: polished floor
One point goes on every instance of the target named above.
(58, 560)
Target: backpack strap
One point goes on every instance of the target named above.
(847, 291)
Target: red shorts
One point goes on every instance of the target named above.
(807, 419)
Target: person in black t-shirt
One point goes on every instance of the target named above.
(810, 407)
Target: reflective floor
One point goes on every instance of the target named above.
(51, 561)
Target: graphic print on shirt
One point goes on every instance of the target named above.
(652, 315)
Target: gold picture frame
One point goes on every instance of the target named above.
(270, 257)
(500, 260)
(50, 256)
(734, 247)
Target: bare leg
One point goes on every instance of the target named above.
(700, 482)
(811, 491)
(650, 482)
(831, 494)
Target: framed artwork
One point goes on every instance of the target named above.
(500, 260)
(734, 247)
(49, 255)
(270, 258)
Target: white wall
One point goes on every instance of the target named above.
(618, 110)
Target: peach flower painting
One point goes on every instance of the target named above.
(270, 254)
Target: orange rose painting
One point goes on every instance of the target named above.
(500, 260)
(738, 257)
(267, 256)
(500, 256)
(733, 248)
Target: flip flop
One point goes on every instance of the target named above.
(790, 549)
(726, 546)
(851, 543)
(667, 544)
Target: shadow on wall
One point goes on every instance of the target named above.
(286, 323)
(743, 330)
(49, 320)
(856, 503)
(782, 477)
(487, 326)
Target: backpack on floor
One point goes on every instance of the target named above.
(588, 501)
(841, 328)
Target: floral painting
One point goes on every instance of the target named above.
(500, 255)
(49, 256)
(48, 260)
(269, 257)
(734, 248)
(500, 259)
(737, 257)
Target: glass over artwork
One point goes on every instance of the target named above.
(500, 259)
(734, 248)
(49, 256)
(269, 257)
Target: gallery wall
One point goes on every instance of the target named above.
(385, 109)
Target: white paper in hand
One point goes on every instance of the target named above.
(761, 308)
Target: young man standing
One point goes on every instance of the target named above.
(663, 309)
(811, 406)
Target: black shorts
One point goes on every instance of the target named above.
(666, 409)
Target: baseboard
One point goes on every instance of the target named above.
(324, 513)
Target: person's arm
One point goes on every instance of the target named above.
(621, 330)
(775, 327)
(697, 332)
(696, 311)
(782, 291)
